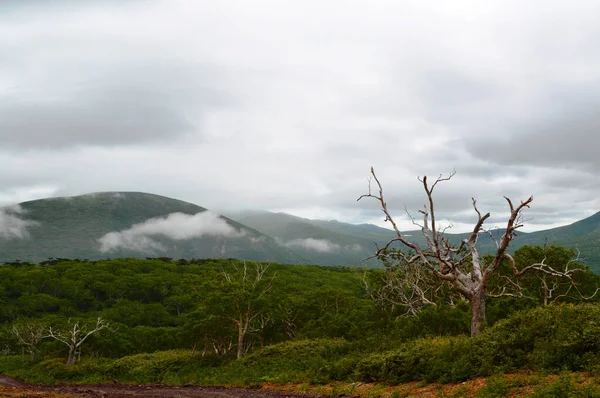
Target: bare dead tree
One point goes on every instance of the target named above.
(459, 265)
(556, 282)
(74, 337)
(220, 345)
(246, 287)
(407, 288)
(288, 319)
(29, 334)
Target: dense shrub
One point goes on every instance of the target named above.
(564, 386)
(158, 366)
(562, 337)
(553, 338)
(442, 358)
(313, 361)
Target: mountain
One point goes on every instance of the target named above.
(321, 242)
(130, 224)
(134, 224)
(583, 235)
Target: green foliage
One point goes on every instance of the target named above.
(547, 289)
(159, 366)
(168, 321)
(312, 361)
(495, 387)
(162, 304)
(565, 387)
(553, 338)
(443, 359)
(565, 337)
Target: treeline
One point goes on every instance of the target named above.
(160, 304)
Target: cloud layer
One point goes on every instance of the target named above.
(319, 245)
(176, 226)
(316, 245)
(12, 226)
(284, 106)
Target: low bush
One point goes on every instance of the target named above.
(554, 338)
(561, 337)
(564, 386)
(495, 387)
(443, 359)
(159, 366)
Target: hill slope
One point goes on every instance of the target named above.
(583, 235)
(133, 224)
(321, 242)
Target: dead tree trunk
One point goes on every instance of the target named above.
(72, 355)
(240, 342)
(477, 303)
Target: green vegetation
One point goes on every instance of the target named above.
(180, 322)
(163, 304)
(509, 346)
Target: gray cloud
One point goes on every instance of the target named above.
(250, 105)
(176, 226)
(153, 105)
(319, 245)
(564, 141)
(118, 117)
(12, 225)
(311, 244)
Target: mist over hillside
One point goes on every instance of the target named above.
(135, 224)
(130, 224)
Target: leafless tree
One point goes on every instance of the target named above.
(75, 336)
(245, 288)
(405, 289)
(29, 334)
(288, 316)
(459, 265)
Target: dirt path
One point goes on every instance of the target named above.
(9, 382)
(13, 388)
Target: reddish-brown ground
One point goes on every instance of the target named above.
(520, 385)
(13, 388)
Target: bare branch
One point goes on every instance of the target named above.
(75, 337)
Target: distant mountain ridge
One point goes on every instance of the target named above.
(136, 224)
(583, 235)
(73, 227)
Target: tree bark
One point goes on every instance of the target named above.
(477, 311)
(240, 345)
(71, 359)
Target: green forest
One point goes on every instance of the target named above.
(232, 322)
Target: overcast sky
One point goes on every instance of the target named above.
(284, 105)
